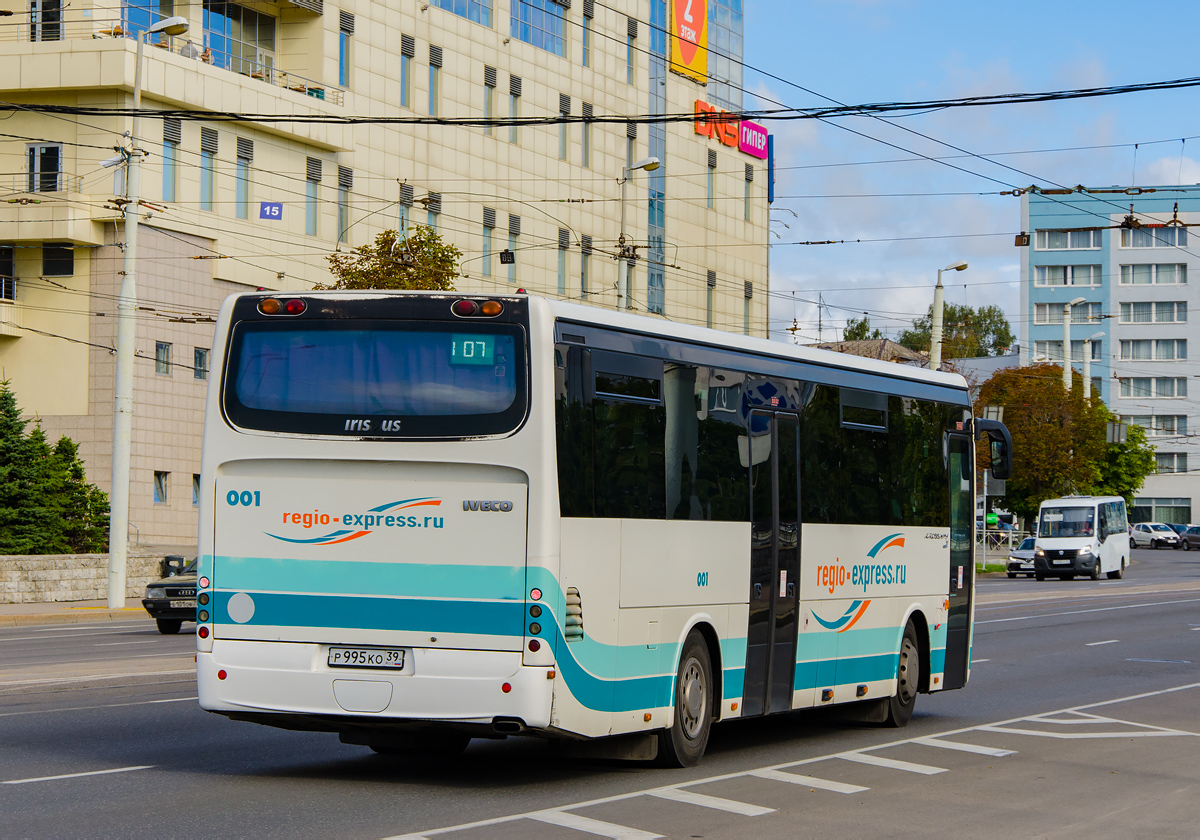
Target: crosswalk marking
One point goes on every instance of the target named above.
(603, 829)
(958, 745)
(714, 802)
(807, 781)
(892, 764)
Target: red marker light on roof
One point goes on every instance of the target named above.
(464, 308)
(295, 306)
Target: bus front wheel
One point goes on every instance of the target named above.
(908, 679)
(683, 743)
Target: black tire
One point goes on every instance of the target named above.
(1187, 546)
(908, 680)
(1132, 542)
(424, 745)
(683, 743)
(168, 626)
(1154, 544)
(1095, 575)
(1039, 576)
(1119, 572)
(1012, 574)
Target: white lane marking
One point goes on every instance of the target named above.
(132, 622)
(1097, 644)
(622, 797)
(714, 802)
(115, 644)
(96, 677)
(77, 775)
(977, 661)
(892, 763)
(1163, 661)
(102, 706)
(807, 781)
(958, 745)
(107, 632)
(603, 829)
(1081, 612)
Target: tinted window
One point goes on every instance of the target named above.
(376, 377)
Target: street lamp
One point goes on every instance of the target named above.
(935, 327)
(1087, 366)
(118, 497)
(628, 252)
(1067, 341)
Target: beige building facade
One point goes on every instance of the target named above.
(259, 197)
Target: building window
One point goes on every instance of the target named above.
(1157, 349)
(162, 358)
(489, 99)
(586, 56)
(172, 135)
(1157, 275)
(312, 192)
(162, 481)
(1052, 313)
(1164, 387)
(656, 293)
(8, 279)
(345, 57)
(710, 295)
(585, 266)
(408, 50)
(240, 39)
(345, 185)
(58, 259)
(435, 80)
(1171, 462)
(539, 22)
(207, 161)
(1066, 240)
(1162, 312)
(1097, 353)
(245, 154)
(1174, 511)
(630, 53)
(45, 19)
(749, 294)
(725, 32)
(1158, 425)
(434, 207)
(200, 363)
(1067, 275)
(514, 108)
(479, 11)
(749, 183)
(489, 231)
(44, 167)
(585, 138)
(564, 110)
(139, 15)
(564, 242)
(1150, 236)
(195, 490)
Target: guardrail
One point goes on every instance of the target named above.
(30, 27)
(44, 182)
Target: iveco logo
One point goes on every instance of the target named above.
(503, 507)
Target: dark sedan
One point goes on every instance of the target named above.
(172, 599)
(1190, 538)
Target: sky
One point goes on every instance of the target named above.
(921, 215)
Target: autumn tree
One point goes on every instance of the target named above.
(416, 260)
(967, 332)
(1059, 440)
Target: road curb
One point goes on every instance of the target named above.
(77, 615)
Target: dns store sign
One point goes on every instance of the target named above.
(744, 135)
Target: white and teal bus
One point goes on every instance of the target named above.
(431, 517)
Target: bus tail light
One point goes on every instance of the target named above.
(472, 309)
(269, 306)
(491, 308)
(535, 645)
(465, 308)
(295, 306)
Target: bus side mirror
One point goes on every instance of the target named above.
(999, 446)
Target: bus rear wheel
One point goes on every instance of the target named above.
(682, 744)
(1119, 572)
(908, 680)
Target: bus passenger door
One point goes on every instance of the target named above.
(962, 562)
(773, 457)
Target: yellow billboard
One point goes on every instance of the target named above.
(689, 39)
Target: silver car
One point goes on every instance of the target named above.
(1020, 560)
(1153, 534)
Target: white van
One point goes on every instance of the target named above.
(1081, 535)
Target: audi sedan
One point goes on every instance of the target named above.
(172, 599)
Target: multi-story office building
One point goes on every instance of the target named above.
(260, 199)
(1133, 277)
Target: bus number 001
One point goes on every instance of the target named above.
(245, 498)
(702, 578)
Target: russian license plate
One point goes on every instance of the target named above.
(1066, 562)
(347, 657)
(183, 605)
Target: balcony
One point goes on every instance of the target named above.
(108, 32)
(10, 313)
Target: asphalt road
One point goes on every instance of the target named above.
(1079, 720)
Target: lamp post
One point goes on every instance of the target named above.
(1087, 366)
(118, 522)
(1067, 342)
(935, 326)
(628, 252)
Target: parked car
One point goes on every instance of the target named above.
(171, 600)
(1020, 559)
(1177, 527)
(1153, 534)
(1190, 538)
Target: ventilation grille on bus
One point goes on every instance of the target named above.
(573, 629)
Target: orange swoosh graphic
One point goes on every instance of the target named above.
(857, 616)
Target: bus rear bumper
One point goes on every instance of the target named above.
(290, 680)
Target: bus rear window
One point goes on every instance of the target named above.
(370, 378)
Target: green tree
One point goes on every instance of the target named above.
(46, 504)
(1059, 440)
(859, 329)
(966, 332)
(419, 260)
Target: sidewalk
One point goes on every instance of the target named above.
(69, 612)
